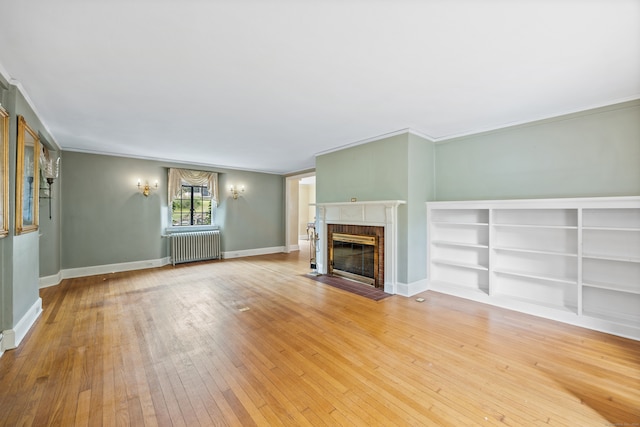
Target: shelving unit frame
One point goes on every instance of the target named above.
(576, 260)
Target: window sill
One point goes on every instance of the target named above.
(185, 228)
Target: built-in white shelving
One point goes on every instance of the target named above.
(461, 248)
(574, 260)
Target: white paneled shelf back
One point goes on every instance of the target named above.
(575, 260)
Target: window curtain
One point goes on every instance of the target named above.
(191, 177)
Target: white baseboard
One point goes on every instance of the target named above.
(114, 268)
(8, 340)
(52, 280)
(411, 289)
(71, 273)
(253, 252)
(11, 338)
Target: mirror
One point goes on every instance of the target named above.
(4, 172)
(27, 181)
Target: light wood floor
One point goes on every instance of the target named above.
(175, 346)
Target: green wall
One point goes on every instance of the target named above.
(106, 219)
(19, 278)
(26, 255)
(256, 218)
(50, 232)
(421, 189)
(373, 171)
(594, 153)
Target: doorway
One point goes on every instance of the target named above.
(300, 208)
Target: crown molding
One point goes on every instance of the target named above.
(165, 160)
(422, 135)
(559, 116)
(15, 82)
(377, 138)
(4, 73)
(617, 104)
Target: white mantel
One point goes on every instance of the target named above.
(382, 213)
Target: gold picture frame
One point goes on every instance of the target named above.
(27, 178)
(4, 172)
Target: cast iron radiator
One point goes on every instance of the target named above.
(195, 246)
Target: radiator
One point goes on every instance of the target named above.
(195, 246)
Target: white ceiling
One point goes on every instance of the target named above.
(265, 85)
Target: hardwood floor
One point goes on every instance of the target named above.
(252, 342)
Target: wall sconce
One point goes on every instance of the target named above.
(146, 189)
(234, 191)
(51, 168)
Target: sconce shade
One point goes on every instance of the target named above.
(146, 188)
(235, 192)
(49, 164)
(51, 168)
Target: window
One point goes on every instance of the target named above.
(192, 206)
(193, 197)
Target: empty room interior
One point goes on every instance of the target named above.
(320, 213)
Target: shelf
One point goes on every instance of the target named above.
(611, 258)
(467, 224)
(540, 216)
(460, 264)
(536, 276)
(465, 245)
(481, 290)
(461, 216)
(611, 228)
(570, 309)
(622, 219)
(610, 287)
(535, 251)
(621, 318)
(559, 227)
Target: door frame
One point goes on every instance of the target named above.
(291, 214)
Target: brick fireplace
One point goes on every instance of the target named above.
(361, 245)
(370, 218)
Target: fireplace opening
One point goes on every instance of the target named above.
(354, 256)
